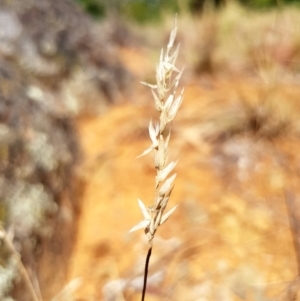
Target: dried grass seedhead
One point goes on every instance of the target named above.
(167, 103)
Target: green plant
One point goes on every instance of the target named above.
(167, 104)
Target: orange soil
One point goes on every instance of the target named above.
(230, 238)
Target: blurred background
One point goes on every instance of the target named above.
(74, 117)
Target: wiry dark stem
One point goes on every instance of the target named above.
(146, 273)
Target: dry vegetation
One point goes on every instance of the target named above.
(236, 235)
(237, 140)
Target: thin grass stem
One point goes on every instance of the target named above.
(146, 273)
(21, 267)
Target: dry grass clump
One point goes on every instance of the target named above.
(267, 44)
(167, 104)
(221, 42)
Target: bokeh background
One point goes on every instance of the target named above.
(74, 117)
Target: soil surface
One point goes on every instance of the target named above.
(230, 238)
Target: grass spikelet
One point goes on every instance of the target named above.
(167, 102)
